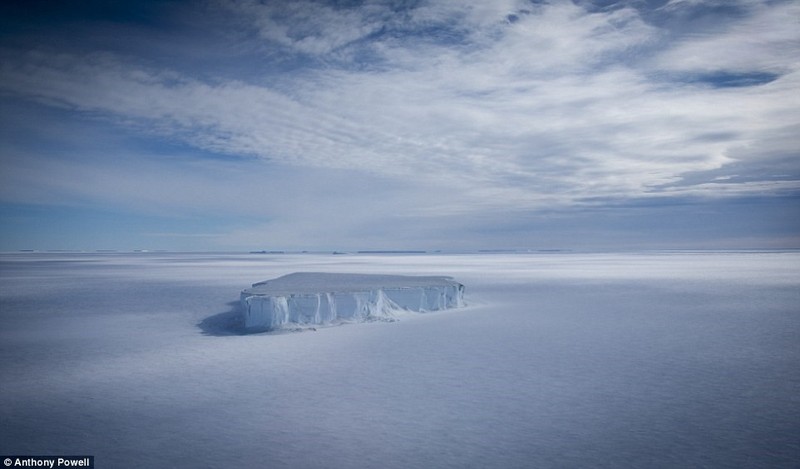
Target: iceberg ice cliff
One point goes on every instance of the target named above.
(311, 298)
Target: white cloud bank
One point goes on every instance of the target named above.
(504, 105)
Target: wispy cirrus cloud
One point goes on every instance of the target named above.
(511, 105)
(310, 27)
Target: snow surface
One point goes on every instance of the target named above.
(681, 359)
(324, 298)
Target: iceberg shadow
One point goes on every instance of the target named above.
(224, 324)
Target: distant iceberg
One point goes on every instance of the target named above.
(311, 298)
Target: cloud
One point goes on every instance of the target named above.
(764, 40)
(474, 108)
(310, 27)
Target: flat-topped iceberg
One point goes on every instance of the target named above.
(311, 298)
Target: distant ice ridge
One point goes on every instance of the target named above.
(311, 298)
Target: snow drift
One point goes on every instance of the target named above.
(311, 298)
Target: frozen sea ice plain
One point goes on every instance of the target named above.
(317, 298)
(579, 360)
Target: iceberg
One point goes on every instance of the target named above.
(315, 298)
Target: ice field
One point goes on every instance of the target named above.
(655, 359)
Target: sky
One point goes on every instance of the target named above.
(399, 124)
